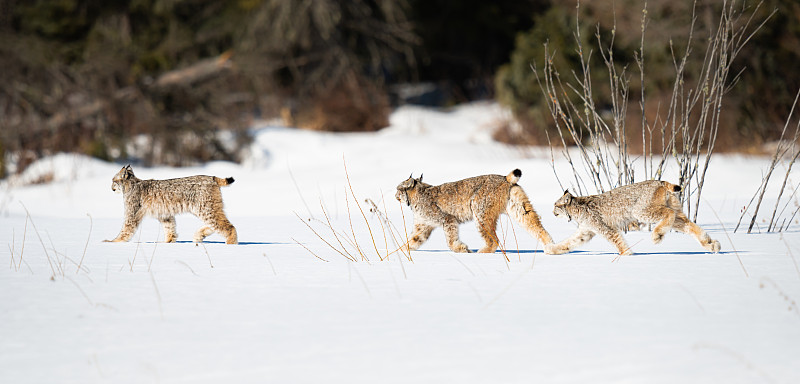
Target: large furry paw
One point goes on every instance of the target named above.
(627, 252)
(460, 248)
(487, 250)
(713, 246)
(657, 237)
(553, 249)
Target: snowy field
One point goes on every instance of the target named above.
(76, 310)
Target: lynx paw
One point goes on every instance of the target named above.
(460, 248)
(552, 249)
(657, 237)
(713, 246)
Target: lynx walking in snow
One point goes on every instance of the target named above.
(163, 199)
(481, 198)
(648, 202)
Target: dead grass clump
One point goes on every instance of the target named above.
(345, 243)
(355, 104)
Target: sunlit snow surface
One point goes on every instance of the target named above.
(271, 311)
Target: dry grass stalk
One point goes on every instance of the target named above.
(333, 231)
(155, 246)
(204, 250)
(270, 264)
(310, 251)
(29, 218)
(85, 247)
(352, 230)
(394, 233)
(347, 175)
(347, 256)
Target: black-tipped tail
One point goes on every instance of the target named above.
(230, 180)
(676, 188)
(514, 176)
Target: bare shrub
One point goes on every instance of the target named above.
(787, 151)
(686, 131)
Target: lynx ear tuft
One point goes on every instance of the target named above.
(420, 177)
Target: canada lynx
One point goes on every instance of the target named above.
(163, 199)
(646, 202)
(481, 198)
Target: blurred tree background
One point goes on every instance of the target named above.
(180, 81)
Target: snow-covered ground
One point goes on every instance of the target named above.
(76, 310)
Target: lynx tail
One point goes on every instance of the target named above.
(223, 182)
(520, 208)
(671, 187)
(514, 176)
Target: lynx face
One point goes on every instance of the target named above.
(560, 206)
(126, 173)
(404, 187)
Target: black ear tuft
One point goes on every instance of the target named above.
(420, 177)
(566, 191)
(517, 173)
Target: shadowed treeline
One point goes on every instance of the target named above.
(180, 81)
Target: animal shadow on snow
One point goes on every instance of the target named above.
(513, 251)
(218, 242)
(594, 253)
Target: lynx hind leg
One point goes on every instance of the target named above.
(683, 224)
(419, 236)
(170, 233)
(488, 230)
(666, 219)
(520, 209)
(578, 238)
(451, 233)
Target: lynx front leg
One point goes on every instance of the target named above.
(580, 237)
(451, 233)
(615, 237)
(129, 227)
(420, 235)
(169, 229)
(683, 224)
